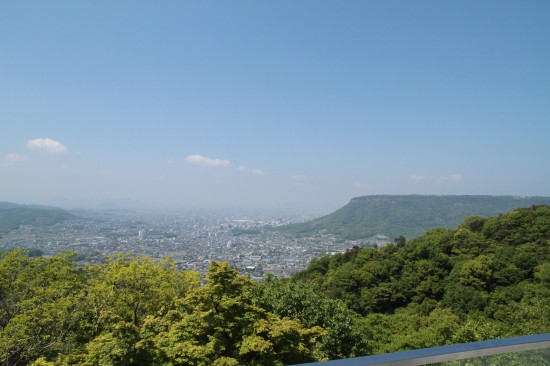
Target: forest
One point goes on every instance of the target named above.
(486, 279)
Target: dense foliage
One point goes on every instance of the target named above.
(135, 311)
(409, 215)
(488, 278)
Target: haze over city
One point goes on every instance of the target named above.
(272, 103)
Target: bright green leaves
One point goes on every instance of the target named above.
(95, 315)
(489, 278)
(390, 333)
(222, 321)
(38, 305)
(479, 273)
(133, 287)
(122, 345)
(542, 274)
(140, 312)
(304, 302)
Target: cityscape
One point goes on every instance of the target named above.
(252, 244)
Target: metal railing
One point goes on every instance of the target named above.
(453, 352)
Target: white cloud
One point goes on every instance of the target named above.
(298, 179)
(47, 145)
(200, 160)
(419, 178)
(13, 157)
(361, 185)
(245, 169)
(451, 178)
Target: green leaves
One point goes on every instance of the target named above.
(225, 314)
(39, 301)
(313, 309)
(488, 271)
(489, 278)
(135, 311)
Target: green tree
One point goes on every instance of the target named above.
(302, 301)
(39, 301)
(221, 323)
(400, 241)
(128, 288)
(119, 296)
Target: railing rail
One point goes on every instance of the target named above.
(446, 353)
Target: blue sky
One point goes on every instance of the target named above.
(272, 102)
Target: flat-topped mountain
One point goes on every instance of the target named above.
(410, 215)
(12, 216)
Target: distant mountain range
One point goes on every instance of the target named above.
(13, 216)
(410, 216)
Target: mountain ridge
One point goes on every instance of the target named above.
(13, 216)
(408, 215)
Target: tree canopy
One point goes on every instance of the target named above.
(488, 278)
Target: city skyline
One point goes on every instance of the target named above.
(274, 103)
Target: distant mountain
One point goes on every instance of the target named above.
(410, 216)
(12, 216)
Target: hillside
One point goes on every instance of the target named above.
(12, 216)
(410, 216)
(489, 278)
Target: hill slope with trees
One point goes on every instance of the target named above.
(488, 278)
(12, 216)
(409, 216)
